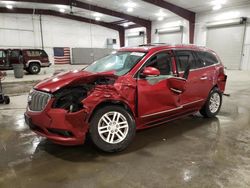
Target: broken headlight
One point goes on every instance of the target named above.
(70, 99)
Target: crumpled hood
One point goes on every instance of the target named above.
(61, 80)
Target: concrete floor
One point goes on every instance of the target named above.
(191, 152)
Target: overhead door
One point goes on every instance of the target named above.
(227, 42)
(135, 40)
(170, 38)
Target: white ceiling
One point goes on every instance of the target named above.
(205, 5)
(141, 8)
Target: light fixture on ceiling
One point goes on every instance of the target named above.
(130, 4)
(160, 15)
(217, 7)
(97, 18)
(97, 14)
(160, 18)
(130, 9)
(217, 4)
(125, 25)
(62, 10)
(9, 6)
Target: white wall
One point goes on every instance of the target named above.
(172, 22)
(135, 31)
(224, 14)
(23, 31)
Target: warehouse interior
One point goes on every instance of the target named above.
(189, 152)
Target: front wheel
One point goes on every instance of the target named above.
(112, 128)
(213, 104)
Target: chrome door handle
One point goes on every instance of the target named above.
(204, 78)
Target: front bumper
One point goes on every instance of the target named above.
(58, 125)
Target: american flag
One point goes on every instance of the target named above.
(62, 55)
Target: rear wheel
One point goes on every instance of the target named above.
(213, 104)
(112, 128)
(34, 68)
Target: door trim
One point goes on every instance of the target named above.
(174, 109)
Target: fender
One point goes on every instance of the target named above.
(33, 61)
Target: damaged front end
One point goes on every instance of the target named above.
(64, 116)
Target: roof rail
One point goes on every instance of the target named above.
(153, 44)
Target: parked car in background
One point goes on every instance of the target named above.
(131, 89)
(32, 59)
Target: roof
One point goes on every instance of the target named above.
(149, 47)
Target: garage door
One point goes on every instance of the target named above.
(227, 42)
(135, 41)
(170, 38)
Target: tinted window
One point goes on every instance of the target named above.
(207, 58)
(2, 54)
(162, 61)
(185, 59)
(15, 53)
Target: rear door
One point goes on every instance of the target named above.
(198, 82)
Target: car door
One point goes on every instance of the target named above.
(155, 99)
(197, 84)
(2, 58)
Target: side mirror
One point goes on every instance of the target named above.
(177, 85)
(150, 72)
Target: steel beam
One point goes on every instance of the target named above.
(182, 12)
(118, 28)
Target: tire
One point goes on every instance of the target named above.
(6, 100)
(111, 139)
(213, 104)
(34, 68)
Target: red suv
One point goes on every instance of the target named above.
(131, 89)
(32, 59)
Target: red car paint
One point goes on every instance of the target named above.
(150, 104)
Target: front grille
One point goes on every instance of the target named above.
(38, 100)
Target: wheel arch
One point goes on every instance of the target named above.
(111, 103)
(33, 61)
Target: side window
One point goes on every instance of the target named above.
(184, 59)
(163, 62)
(208, 58)
(2, 54)
(15, 53)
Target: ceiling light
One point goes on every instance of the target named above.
(218, 2)
(160, 18)
(217, 7)
(130, 4)
(97, 14)
(8, 2)
(125, 24)
(9, 6)
(160, 14)
(97, 18)
(62, 10)
(130, 9)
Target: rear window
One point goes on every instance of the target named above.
(207, 58)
